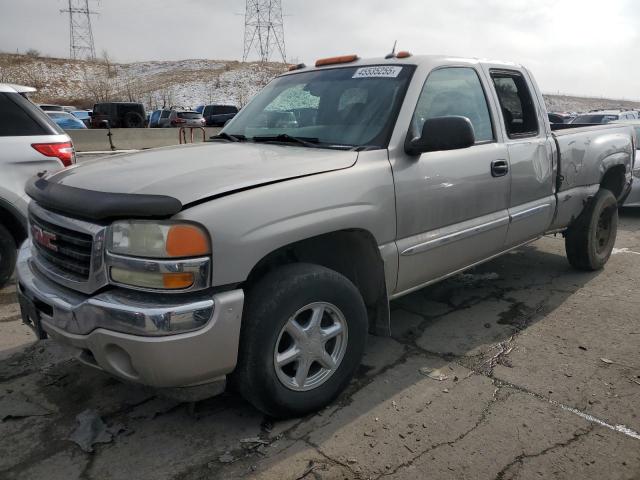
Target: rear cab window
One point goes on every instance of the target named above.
(21, 118)
(516, 103)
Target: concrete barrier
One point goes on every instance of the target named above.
(92, 140)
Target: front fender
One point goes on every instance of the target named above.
(247, 226)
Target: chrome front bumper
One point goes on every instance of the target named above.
(102, 327)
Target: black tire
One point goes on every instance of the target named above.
(8, 255)
(269, 305)
(133, 120)
(590, 239)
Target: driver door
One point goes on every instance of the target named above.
(452, 206)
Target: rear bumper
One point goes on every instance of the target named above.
(185, 359)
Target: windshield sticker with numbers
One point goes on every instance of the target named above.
(378, 72)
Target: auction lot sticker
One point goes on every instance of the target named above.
(378, 72)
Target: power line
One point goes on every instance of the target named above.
(264, 29)
(81, 45)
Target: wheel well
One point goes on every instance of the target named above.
(13, 223)
(353, 253)
(614, 180)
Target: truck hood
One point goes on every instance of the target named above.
(193, 172)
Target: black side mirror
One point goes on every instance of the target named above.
(90, 114)
(442, 133)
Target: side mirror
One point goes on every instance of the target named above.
(90, 114)
(442, 133)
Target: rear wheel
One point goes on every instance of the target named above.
(304, 330)
(8, 255)
(590, 239)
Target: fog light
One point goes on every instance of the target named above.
(155, 280)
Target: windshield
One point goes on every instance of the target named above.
(353, 106)
(189, 115)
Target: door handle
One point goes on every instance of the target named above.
(499, 168)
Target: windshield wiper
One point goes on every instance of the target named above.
(227, 136)
(285, 137)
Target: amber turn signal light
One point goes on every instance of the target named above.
(186, 241)
(334, 60)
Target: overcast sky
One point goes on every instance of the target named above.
(587, 47)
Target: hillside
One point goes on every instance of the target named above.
(186, 83)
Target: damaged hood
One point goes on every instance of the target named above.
(190, 173)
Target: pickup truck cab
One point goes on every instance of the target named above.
(268, 254)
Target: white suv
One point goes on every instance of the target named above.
(29, 143)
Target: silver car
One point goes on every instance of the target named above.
(633, 200)
(179, 118)
(29, 143)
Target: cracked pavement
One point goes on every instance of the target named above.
(540, 369)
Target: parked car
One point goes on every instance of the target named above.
(633, 200)
(558, 118)
(51, 108)
(118, 115)
(269, 253)
(218, 115)
(84, 115)
(178, 118)
(29, 143)
(604, 116)
(66, 121)
(159, 118)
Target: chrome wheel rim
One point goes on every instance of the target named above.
(310, 346)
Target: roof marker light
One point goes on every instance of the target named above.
(296, 67)
(403, 54)
(334, 60)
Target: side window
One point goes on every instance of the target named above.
(15, 120)
(454, 91)
(165, 114)
(517, 105)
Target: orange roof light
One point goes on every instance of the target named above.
(334, 60)
(403, 54)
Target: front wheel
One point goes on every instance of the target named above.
(304, 330)
(590, 239)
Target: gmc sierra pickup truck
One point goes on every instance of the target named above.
(266, 255)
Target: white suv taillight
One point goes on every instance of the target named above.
(62, 150)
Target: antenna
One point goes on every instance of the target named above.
(263, 29)
(393, 51)
(80, 34)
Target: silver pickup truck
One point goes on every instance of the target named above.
(267, 254)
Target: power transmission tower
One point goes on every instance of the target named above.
(263, 29)
(80, 35)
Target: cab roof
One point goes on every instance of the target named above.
(417, 60)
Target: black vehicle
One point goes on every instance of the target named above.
(218, 115)
(119, 115)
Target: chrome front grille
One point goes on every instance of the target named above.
(68, 250)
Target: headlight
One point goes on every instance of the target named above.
(158, 255)
(158, 240)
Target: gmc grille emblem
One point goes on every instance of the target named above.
(43, 238)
